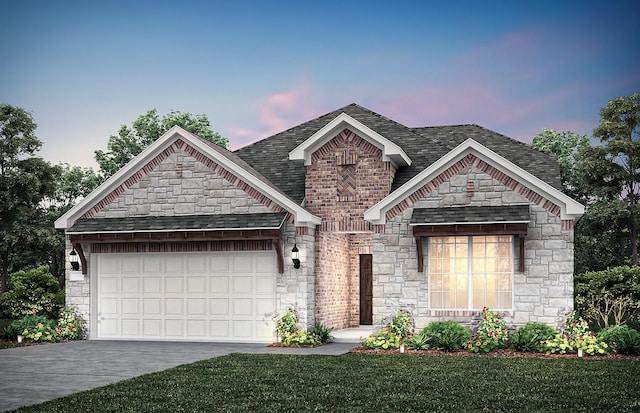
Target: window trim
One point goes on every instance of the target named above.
(515, 229)
(470, 290)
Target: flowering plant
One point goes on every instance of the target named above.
(491, 333)
(69, 325)
(576, 335)
(397, 331)
(289, 332)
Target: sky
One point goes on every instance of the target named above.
(255, 68)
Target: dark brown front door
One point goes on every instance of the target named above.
(366, 289)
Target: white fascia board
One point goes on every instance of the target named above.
(390, 151)
(569, 208)
(300, 214)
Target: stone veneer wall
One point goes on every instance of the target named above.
(542, 293)
(190, 189)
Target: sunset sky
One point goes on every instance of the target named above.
(256, 68)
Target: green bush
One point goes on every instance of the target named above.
(33, 293)
(36, 328)
(491, 334)
(531, 337)
(69, 325)
(397, 331)
(7, 330)
(621, 339)
(609, 297)
(446, 335)
(322, 333)
(418, 341)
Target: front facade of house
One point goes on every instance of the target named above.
(192, 242)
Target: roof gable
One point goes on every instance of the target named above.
(146, 160)
(569, 208)
(390, 151)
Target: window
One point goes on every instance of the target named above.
(471, 272)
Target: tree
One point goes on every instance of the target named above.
(25, 180)
(612, 170)
(145, 130)
(565, 145)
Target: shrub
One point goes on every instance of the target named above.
(397, 331)
(621, 339)
(609, 296)
(32, 293)
(419, 341)
(491, 333)
(531, 337)
(322, 333)
(8, 331)
(36, 328)
(446, 335)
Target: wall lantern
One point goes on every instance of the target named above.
(295, 256)
(73, 259)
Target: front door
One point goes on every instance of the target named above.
(366, 289)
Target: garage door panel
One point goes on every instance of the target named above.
(151, 285)
(173, 285)
(152, 306)
(173, 264)
(197, 306)
(196, 285)
(174, 306)
(196, 264)
(219, 306)
(174, 328)
(241, 307)
(151, 327)
(219, 328)
(108, 327)
(242, 285)
(130, 264)
(196, 328)
(240, 264)
(130, 285)
(130, 306)
(182, 296)
(109, 285)
(219, 285)
(130, 328)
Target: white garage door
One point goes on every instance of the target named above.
(218, 296)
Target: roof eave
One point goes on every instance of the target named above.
(390, 151)
(570, 209)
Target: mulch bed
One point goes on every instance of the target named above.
(497, 353)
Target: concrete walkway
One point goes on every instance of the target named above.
(34, 374)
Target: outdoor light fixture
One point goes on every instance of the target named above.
(295, 256)
(73, 259)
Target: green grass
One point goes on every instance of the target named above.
(369, 383)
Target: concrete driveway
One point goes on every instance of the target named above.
(34, 374)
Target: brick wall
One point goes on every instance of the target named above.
(346, 177)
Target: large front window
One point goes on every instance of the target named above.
(471, 272)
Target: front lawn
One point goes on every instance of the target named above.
(367, 383)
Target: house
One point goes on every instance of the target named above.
(190, 241)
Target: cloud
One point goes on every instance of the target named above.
(275, 113)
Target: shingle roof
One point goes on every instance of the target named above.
(425, 145)
(471, 215)
(178, 223)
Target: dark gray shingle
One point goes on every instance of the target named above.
(178, 223)
(470, 215)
